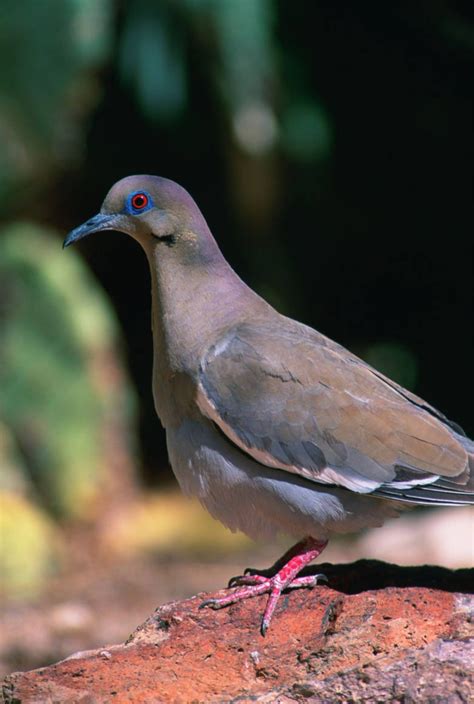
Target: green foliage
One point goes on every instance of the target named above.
(54, 320)
(13, 474)
(395, 360)
(306, 131)
(152, 58)
(45, 51)
(156, 35)
(244, 32)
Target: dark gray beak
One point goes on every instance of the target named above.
(102, 221)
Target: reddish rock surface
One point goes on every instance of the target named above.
(377, 633)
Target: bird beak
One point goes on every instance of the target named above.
(102, 221)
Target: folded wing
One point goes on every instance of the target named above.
(294, 400)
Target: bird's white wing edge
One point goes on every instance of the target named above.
(348, 479)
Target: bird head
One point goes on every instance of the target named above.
(153, 210)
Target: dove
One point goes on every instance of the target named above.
(275, 428)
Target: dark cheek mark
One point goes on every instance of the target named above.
(169, 240)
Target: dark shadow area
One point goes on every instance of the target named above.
(365, 575)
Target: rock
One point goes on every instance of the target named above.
(378, 633)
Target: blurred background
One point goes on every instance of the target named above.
(330, 147)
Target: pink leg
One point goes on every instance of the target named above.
(288, 568)
(270, 571)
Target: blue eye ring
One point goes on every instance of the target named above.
(138, 202)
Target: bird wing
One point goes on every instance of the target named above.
(294, 400)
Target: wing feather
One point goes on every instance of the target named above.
(294, 400)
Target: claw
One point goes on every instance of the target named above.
(256, 582)
(212, 603)
(248, 577)
(248, 580)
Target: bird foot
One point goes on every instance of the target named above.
(250, 572)
(254, 578)
(255, 584)
(282, 576)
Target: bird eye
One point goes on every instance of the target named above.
(139, 201)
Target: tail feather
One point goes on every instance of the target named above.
(433, 496)
(452, 491)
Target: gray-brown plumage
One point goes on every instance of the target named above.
(272, 425)
(296, 401)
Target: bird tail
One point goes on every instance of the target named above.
(445, 491)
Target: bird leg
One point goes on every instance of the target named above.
(294, 551)
(284, 576)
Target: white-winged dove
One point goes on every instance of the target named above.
(273, 426)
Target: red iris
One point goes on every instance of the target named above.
(140, 201)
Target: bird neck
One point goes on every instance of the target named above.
(192, 304)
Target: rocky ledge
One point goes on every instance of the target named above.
(377, 633)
